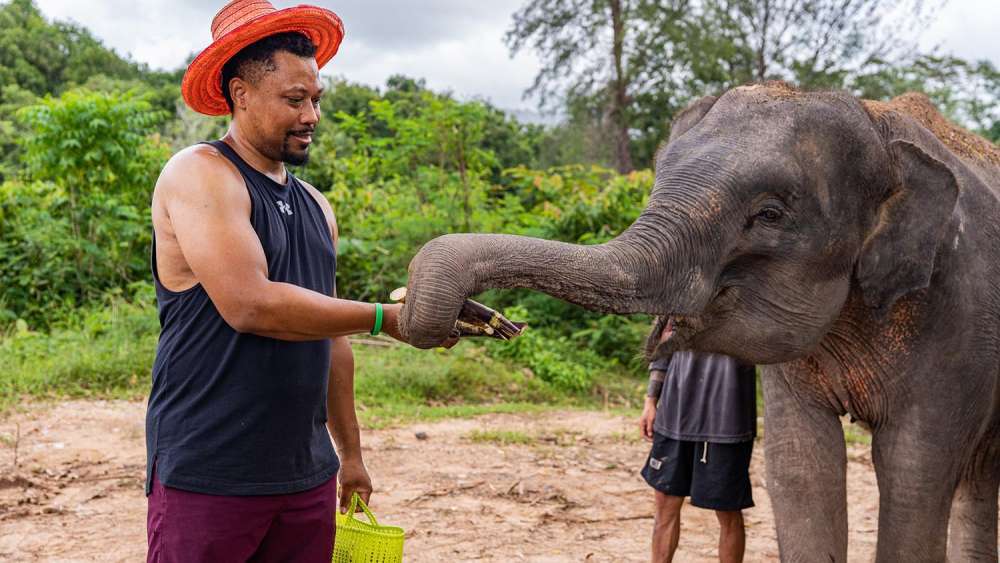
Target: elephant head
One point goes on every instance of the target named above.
(769, 207)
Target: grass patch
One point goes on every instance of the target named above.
(627, 437)
(402, 384)
(500, 437)
(855, 434)
(107, 352)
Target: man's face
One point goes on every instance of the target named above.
(282, 108)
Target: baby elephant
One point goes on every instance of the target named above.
(851, 247)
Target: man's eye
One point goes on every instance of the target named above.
(295, 100)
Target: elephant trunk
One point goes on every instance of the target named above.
(625, 275)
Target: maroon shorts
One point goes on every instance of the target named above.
(188, 527)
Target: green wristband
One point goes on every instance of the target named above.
(378, 320)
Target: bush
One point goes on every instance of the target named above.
(77, 226)
(555, 359)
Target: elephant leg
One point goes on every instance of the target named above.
(806, 475)
(916, 477)
(973, 535)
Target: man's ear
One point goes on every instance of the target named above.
(898, 255)
(690, 116)
(238, 91)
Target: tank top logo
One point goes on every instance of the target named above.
(283, 207)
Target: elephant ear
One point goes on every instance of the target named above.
(898, 256)
(690, 116)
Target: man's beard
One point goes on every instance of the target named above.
(289, 157)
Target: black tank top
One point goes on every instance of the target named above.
(241, 414)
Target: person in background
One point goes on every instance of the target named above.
(700, 413)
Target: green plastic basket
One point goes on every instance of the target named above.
(366, 542)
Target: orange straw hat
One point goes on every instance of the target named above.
(242, 22)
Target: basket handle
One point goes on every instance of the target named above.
(355, 502)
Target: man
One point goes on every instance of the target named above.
(253, 372)
(701, 415)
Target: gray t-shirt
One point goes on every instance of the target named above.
(706, 398)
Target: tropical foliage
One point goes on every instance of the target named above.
(84, 133)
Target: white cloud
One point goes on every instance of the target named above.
(454, 44)
(967, 29)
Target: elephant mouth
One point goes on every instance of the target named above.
(669, 334)
(674, 332)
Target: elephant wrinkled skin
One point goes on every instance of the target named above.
(852, 248)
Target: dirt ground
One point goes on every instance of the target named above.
(572, 494)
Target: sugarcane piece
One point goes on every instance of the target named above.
(469, 329)
(476, 319)
(398, 295)
(477, 312)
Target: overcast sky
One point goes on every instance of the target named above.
(455, 45)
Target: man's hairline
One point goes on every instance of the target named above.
(322, 88)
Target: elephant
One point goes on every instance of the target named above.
(851, 248)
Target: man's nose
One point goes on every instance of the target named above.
(310, 115)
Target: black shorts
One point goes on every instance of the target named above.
(716, 476)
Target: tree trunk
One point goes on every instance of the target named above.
(467, 206)
(761, 51)
(619, 94)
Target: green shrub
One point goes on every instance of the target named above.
(77, 226)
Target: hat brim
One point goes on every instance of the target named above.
(202, 84)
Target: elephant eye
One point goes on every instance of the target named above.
(769, 215)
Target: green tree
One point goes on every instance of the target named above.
(623, 68)
(512, 143)
(12, 98)
(46, 58)
(399, 174)
(76, 226)
(967, 92)
(589, 51)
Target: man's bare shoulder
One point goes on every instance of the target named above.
(193, 169)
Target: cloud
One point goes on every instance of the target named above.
(401, 25)
(966, 29)
(455, 44)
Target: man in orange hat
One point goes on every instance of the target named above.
(253, 372)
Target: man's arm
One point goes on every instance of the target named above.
(342, 421)
(208, 210)
(342, 418)
(657, 375)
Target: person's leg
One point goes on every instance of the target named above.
(666, 527)
(668, 472)
(732, 537)
(721, 482)
(304, 528)
(190, 527)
